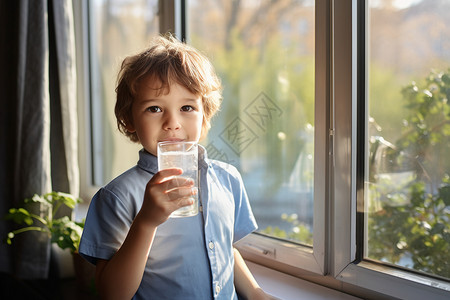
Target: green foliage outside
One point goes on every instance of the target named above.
(412, 220)
(299, 231)
(62, 231)
(387, 109)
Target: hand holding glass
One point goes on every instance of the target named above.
(183, 155)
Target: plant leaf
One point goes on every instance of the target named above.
(444, 193)
(66, 233)
(19, 215)
(67, 199)
(38, 199)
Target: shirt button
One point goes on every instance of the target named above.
(217, 289)
(211, 246)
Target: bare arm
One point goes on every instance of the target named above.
(120, 277)
(244, 281)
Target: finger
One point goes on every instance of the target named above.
(176, 182)
(184, 201)
(166, 174)
(181, 192)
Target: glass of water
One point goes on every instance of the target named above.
(183, 155)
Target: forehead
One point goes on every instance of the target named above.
(156, 91)
(151, 84)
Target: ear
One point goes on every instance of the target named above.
(129, 126)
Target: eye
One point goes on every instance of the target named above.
(154, 109)
(187, 108)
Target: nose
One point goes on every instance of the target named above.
(171, 122)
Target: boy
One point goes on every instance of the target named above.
(169, 93)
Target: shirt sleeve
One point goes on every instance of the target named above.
(245, 222)
(106, 226)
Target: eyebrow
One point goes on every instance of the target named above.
(157, 100)
(145, 102)
(192, 99)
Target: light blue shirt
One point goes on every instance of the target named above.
(191, 257)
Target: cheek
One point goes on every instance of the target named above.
(201, 120)
(204, 129)
(145, 129)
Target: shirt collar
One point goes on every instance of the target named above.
(149, 162)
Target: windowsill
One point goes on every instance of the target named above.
(286, 287)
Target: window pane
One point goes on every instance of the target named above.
(117, 28)
(264, 54)
(408, 136)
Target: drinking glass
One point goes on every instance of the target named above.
(182, 155)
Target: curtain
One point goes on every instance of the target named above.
(38, 115)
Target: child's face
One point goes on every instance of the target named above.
(176, 116)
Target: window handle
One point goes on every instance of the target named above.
(260, 250)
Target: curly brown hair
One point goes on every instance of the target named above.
(167, 61)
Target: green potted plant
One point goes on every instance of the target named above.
(62, 231)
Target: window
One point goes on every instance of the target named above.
(386, 192)
(408, 134)
(314, 118)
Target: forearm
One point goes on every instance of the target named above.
(244, 281)
(120, 277)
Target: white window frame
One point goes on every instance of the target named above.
(87, 189)
(349, 91)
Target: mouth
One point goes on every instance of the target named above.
(171, 140)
